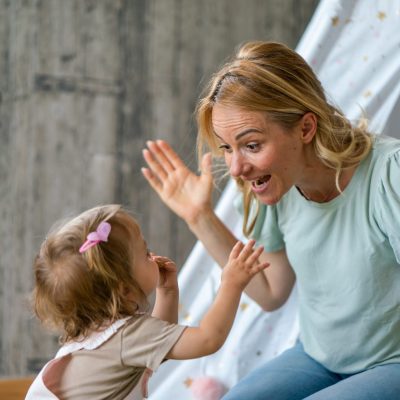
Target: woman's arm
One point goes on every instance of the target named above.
(269, 289)
(189, 196)
(215, 326)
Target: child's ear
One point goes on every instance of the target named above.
(125, 290)
(308, 126)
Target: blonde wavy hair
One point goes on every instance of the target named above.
(76, 293)
(270, 77)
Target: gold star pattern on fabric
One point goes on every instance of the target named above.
(244, 306)
(187, 317)
(368, 93)
(335, 20)
(188, 382)
(185, 314)
(381, 15)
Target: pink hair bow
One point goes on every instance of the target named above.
(99, 235)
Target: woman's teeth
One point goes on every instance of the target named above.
(261, 181)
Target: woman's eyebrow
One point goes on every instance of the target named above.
(246, 132)
(241, 134)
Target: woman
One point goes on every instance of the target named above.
(323, 197)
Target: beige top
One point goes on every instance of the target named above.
(113, 369)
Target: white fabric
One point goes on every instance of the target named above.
(93, 341)
(354, 47)
(38, 390)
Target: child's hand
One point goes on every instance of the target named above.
(243, 264)
(167, 292)
(168, 273)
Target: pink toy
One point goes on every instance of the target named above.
(207, 388)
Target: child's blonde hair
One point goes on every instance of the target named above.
(77, 293)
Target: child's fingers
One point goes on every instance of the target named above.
(164, 262)
(155, 257)
(169, 265)
(259, 267)
(247, 250)
(253, 257)
(159, 258)
(237, 248)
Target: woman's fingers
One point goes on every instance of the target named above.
(156, 168)
(173, 159)
(162, 161)
(206, 164)
(163, 153)
(160, 155)
(152, 179)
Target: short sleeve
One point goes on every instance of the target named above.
(388, 201)
(146, 341)
(266, 229)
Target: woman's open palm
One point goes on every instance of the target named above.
(184, 192)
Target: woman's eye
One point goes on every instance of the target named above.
(253, 146)
(225, 148)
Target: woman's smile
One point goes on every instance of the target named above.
(259, 185)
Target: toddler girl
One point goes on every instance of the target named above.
(93, 277)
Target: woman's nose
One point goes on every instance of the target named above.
(238, 165)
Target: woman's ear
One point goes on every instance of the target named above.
(308, 126)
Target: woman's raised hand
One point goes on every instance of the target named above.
(184, 192)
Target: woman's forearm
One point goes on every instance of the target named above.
(214, 234)
(269, 288)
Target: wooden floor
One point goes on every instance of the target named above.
(14, 389)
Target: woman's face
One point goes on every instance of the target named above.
(259, 151)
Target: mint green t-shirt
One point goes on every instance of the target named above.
(346, 257)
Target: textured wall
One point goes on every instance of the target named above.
(84, 84)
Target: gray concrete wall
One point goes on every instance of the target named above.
(84, 84)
